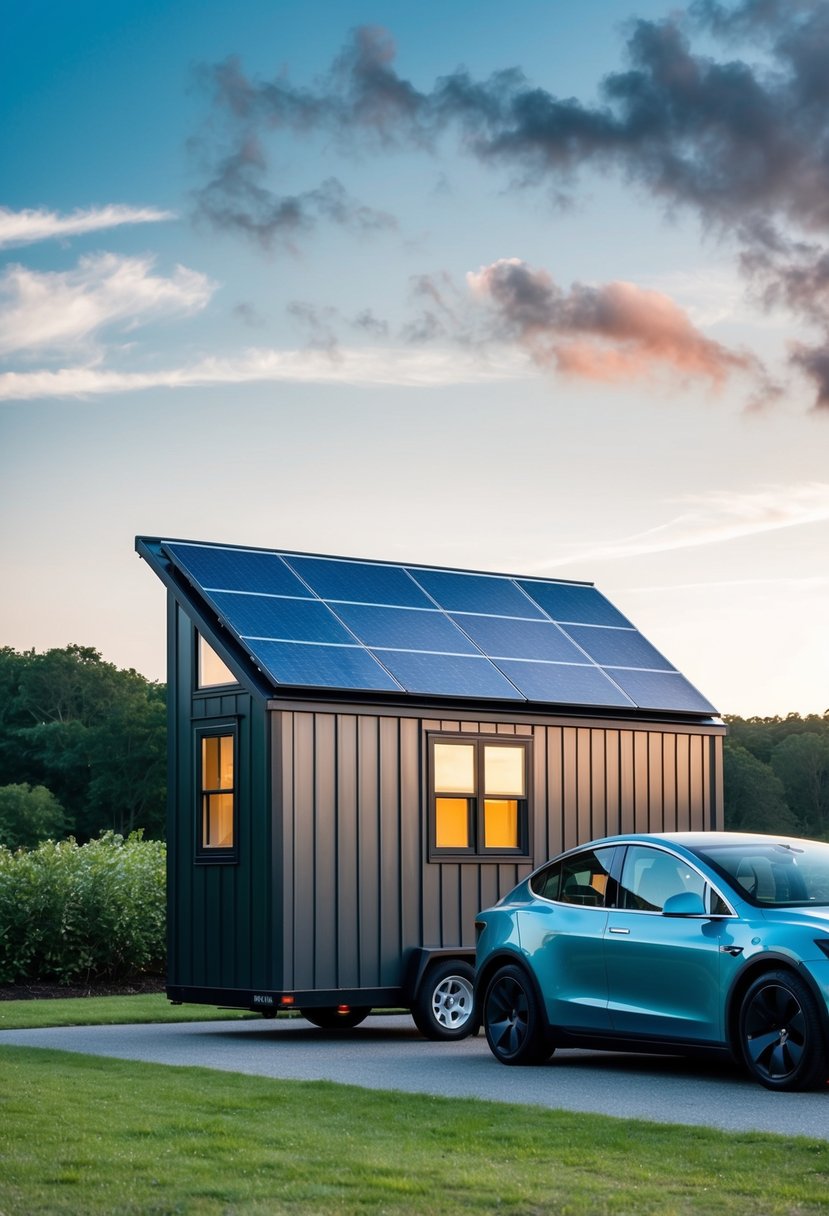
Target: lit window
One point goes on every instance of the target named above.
(479, 796)
(217, 794)
(211, 670)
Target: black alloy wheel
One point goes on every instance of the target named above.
(781, 1035)
(512, 1019)
(337, 1017)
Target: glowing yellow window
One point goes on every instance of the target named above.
(218, 792)
(479, 790)
(212, 671)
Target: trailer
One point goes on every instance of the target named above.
(362, 754)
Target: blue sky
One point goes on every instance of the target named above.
(534, 288)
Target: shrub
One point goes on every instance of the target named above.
(29, 814)
(72, 913)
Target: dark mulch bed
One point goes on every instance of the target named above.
(139, 985)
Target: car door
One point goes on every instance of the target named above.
(663, 971)
(562, 936)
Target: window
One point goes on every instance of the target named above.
(650, 877)
(479, 796)
(217, 788)
(211, 671)
(582, 879)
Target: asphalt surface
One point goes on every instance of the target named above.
(387, 1052)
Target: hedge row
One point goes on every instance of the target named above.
(71, 913)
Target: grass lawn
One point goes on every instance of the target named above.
(86, 1135)
(106, 1011)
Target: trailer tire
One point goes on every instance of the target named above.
(342, 1017)
(444, 1005)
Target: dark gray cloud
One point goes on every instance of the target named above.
(235, 199)
(740, 138)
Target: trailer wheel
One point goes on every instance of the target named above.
(443, 1008)
(336, 1017)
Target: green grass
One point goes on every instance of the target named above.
(106, 1011)
(85, 1135)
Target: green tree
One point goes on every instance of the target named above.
(91, 733)
(754, 797)
(801, 762)
(29, 815)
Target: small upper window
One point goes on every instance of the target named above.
(211, 670)
(479, 796)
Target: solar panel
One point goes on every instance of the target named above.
(481, 593)
(347, 667)
(228, 569)
(404, 628)
(505, 637)
(267, 616)
(564, 684)
(359, 582)
(661, 690)
(447, 675)
(618, 647)
(573, 602)
(318, 622)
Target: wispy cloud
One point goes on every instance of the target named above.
(54, 311)
(27, 227)
(363, 367)
(720, 516)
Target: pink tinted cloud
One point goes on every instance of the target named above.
(613, 332)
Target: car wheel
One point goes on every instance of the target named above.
(444, 1008)
(512, 1019)
(337, 1017)
(781, 1036)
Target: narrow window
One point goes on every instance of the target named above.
(217, 784)
(479, 797)
(211, 671)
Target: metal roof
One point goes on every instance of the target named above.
(314, 622)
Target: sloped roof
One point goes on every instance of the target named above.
(314, 622)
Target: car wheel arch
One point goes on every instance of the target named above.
(752, 971)
(508, 958)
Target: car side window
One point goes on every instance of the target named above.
(581, 879)
(650, 877)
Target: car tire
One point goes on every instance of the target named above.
(444, 1007)
(336, 1017)
(781, 1036)
(513, 1020)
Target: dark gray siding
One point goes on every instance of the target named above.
(219, 915)
(357, 889)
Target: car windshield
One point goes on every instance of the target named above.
(773, 874)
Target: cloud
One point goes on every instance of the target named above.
(236, 199)
(363, 367)
(616, 331)
(27, 227)
(56, 310)
(738, 141)
(718, 517)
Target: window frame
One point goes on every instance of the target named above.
(210, 854)
(476, 850)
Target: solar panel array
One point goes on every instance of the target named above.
(348, 624)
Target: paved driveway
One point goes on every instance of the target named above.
(386, 1052)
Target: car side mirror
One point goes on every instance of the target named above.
(686, 903)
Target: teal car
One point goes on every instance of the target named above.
(711, 942)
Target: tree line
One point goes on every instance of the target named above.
(83, 750)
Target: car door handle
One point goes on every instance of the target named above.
(614, 929)
(732, 950)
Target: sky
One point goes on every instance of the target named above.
(539, 288)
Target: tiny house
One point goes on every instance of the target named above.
(362, 754)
